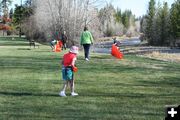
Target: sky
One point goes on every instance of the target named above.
(138, 7)
(18, 2)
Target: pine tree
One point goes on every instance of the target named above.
(165, 25)
(118, 16)
(175, 21)
(126, 15)
(150, 18)
(156, 26)
(11, 13)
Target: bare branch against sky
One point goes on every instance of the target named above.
(133, 5)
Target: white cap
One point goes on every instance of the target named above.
(74, 49)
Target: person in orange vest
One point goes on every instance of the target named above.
(68, 69)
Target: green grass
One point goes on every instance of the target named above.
(131, 89)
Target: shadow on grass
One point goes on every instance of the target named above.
(93, 94)
(127, 95)
(30, 63)
(102, 57)
(43, 51)
(28, 94)
(172, 66)
(15, 44)
(166, 82)
(120, 69)
(48, 63)
(23, 49)
(14, 39)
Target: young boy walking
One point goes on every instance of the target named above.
(68, 64)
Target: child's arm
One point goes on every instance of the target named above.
(73, 62)
(74, 68)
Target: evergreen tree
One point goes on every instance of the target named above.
(118, 16)
(150, 18)
(126, 15)
(161, 25)
(28, 3)
(18, 15)
(21, 14)
(143, 24)
(156, 26)
(165, 25)
(175, 21)
(11, 13)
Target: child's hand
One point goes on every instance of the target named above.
(75, 69)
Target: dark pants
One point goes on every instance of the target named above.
(64, 45)
(86, 50)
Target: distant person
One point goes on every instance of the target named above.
(59, 42)
(64, 40)
(114, 40)
(86, 41)
(53, 43)
(68, 65)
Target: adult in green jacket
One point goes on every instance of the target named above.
(86, 41)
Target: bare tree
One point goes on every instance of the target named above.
(69, 15)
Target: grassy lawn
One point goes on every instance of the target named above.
(131, 89)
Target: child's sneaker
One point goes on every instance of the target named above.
(86, 59)
(74, 94)
(62, 94)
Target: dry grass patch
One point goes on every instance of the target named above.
(164, 56)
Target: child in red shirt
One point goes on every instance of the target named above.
(68, 63)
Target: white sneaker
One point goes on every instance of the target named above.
(74, 94)
(62, 94)
(86, 59)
